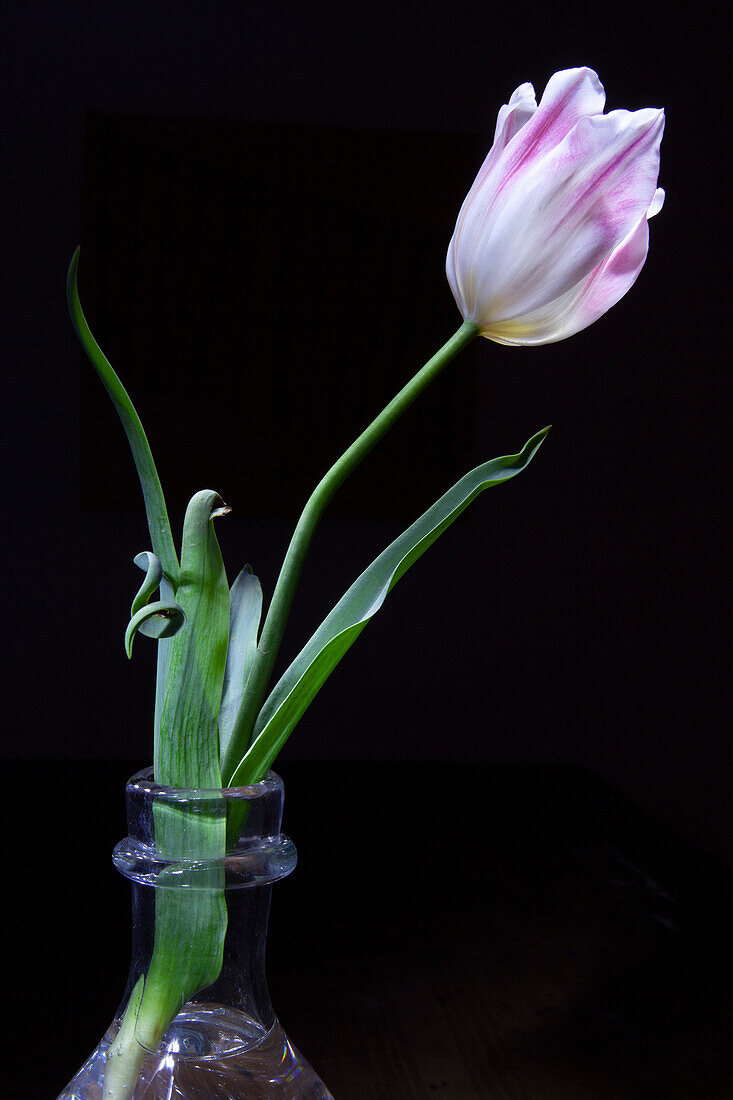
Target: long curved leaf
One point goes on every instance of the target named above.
(303, 679)
(155, 508)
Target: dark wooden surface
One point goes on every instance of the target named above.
(493, 933)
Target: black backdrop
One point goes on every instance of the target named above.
(264, 194)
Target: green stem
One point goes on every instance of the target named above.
(126, 1054)
(282, 598)
(155, 509)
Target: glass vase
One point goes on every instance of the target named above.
(223, 1041)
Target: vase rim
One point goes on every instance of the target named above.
(143, 781)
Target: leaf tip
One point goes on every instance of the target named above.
(71, 273)
(539, 436)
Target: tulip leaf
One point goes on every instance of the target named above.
(190, 929)
(245, 609)
(155, 507)
(160, 619)
(150, 564)
(190, 923)
(303, 679)
(161, 672)
(186, 751)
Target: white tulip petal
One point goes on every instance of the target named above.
(554, 229)
(657, 202)
(514, 115)
(570, 95)
(584, 304)
(572, 210)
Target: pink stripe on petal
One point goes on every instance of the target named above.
(512, 117)
(568, 214)
(569, 96)
(584, 304)
(553, 230)
(611, 279)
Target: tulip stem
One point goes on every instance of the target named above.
(273, 629)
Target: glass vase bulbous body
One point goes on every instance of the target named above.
(224, 1042)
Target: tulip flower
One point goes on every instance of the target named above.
(554, 230)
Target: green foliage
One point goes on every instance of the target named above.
(150, 564)
(303, 679)
(245, 610)
(155, 507)
(156, 620)
(190, 928)
(190, 917)
(187, 748)
(210, 727)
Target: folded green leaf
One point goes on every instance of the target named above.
(303, 679)
(190, 916)
(190, 924)
(245, 609)
(190, 928)
(156, 620)
(150, 564)
(186, 752)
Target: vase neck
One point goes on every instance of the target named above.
(188, 836)
(208, 851)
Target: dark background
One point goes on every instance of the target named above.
(264, 194)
